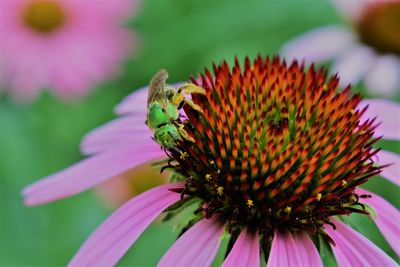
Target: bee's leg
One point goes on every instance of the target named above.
(181, 105)
(184, 134)
(190, 88)
(193, 105)
(178, 98)
(169, 91)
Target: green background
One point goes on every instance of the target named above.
(40, 138)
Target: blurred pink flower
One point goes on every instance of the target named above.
(125, 142)
(115, 192)
(368, 50)
(65, 46)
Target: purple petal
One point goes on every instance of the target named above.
(128, 130)
(197, 247)
(353, 249)
(318, 45)
(293, 250)
(113, 237)
(384, 78)
(245, 252)
(388, 114)
(88, 173)
(353, 65)
(135, 102)
(387, 219)
(392, 172)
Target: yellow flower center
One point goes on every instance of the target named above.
(44, 16)
(379, 27)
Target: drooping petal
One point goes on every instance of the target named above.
(353, 249)
(127, 130)
(387, 113)
(113, 237)
(245, 252)
(318, 45)
(391, 172)
(384, 78)
(293, 250)
(353, 65)
(135, 102)
(387, 219)
(197, 247)
(88, 173)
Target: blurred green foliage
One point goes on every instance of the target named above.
(40, 138)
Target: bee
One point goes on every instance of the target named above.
(163, 105)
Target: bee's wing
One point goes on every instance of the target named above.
(157, 87)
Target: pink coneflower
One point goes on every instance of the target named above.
(65, 46)
(369, 50)
(274, 159)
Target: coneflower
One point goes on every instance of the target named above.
(59, 44)
(366, 50)
(274, 159)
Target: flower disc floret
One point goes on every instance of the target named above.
(379, 26)
(44, 16)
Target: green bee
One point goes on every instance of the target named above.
(163, 104)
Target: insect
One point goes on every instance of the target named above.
(163, 104)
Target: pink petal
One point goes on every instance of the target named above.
(122, 187)
(113, 237)
(353, 249)
(387, 112)
(353, 65)
(318, 45)
(245, 252)
(387, 220)
(87, 173)
(197, 247)
(293, 250)
(384, 78)
(392, 172)
(135, 102)
(127, 130)
(112, 11)
(352, 10)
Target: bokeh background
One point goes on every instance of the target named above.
(43, 136)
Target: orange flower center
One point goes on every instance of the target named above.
(44, 16)
(379, 27)
(276, 146)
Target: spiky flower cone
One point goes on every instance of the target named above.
(276, 147)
